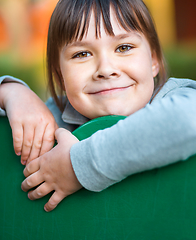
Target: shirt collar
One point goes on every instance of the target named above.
(71, 116)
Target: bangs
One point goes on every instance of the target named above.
(70, 20)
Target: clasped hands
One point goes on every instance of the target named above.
(52, 171)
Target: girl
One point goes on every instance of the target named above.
(106, 56)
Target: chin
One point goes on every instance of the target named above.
(112, 110)
(119, 112)
(122, 112)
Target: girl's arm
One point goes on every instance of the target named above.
(159, 134)
(32, 123)
(9, 79)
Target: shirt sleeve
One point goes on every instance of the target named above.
(5, 79)
(162, 133)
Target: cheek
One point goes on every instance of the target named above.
(74, 88)
(138, 66)
(147, 88)
(71, 87)
(71, 80)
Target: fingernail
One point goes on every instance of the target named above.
(46, 209)
(23, 162)
(18, 153)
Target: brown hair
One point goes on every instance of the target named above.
(70, 21)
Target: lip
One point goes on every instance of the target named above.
(110, 90)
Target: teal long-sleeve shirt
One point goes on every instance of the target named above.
(161, 133)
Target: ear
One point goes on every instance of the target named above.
(155, 65)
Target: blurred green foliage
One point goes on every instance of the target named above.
(31, 73)
(181, 61)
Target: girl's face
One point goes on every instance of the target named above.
(111, 75)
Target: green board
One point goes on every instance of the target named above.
(96, 124)
(153, 205)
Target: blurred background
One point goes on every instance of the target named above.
(23, 36)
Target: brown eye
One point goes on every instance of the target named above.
(82, 55)
(123, 48)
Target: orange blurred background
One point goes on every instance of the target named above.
(23, 35)
(24, 26)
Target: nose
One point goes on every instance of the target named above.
(106, 69)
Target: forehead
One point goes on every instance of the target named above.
(98, 21)
(119, 33)
(98, 30)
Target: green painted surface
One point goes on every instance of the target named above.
(96, 124)
(154, 205)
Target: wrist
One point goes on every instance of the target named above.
(3, 93)
(9, 91)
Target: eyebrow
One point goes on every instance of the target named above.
(126, 35)
(117, 37)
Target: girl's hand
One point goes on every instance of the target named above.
(53, 172)
(33, 125)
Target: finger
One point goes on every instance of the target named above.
(32, 167)
(40, 191)
(62, 133)
(17, 133)
(48, 139)
(55, 199)
(28, 137)
(32, 181)
(37, 143)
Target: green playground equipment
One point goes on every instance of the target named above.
(154, 205)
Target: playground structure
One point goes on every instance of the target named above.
(156, 204)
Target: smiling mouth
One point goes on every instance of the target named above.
(110, 90)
